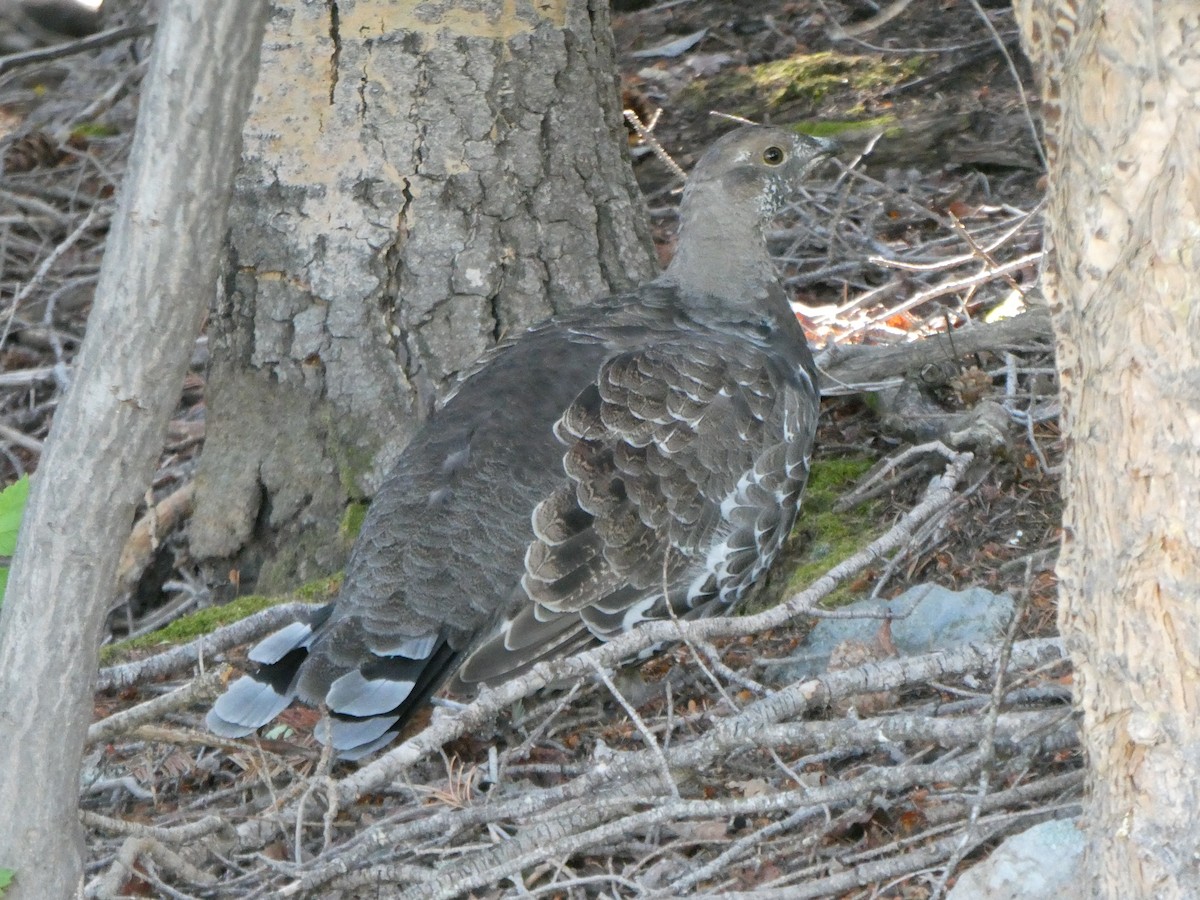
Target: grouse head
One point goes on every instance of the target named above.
(756, 167)
(736, 188)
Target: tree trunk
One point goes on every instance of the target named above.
(419, 180)
(1122, 112)
(155, 283)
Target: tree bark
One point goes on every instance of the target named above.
(1122, 113)
(155, 283)
(419, 180)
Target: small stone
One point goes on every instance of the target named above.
(1041, 863)
(924, 618)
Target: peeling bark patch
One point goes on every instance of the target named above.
(392, 259)
(497, 322)
(336, 37)
(362, 97)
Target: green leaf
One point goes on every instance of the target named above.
(12, 504)
(6, 877)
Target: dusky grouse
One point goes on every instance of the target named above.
(658, 439)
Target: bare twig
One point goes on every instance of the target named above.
(644, 132)
(72, 48)
(203, 688)
(48, 263)
(187, 655)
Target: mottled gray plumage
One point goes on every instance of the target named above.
(656, 439)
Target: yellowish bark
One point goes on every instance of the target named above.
(1122, 94)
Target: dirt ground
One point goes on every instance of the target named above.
(928, 225)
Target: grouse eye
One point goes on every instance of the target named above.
(773, 156)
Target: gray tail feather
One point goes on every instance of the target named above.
(369, 705)
(254, 700)
(353, 737)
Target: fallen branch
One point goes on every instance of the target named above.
(853, 368)
(131, 862)
(616, 785)
(561, 836)
(893, 867)
(158, 521)
(71, 48)
(200, 689)
(187, 655)
(1015, 731)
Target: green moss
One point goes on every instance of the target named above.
(352, 520)
(93, 130)
(204, 621)
(832, 536)
(188, 628)
(830, 479)
(802, 83)
(822, 537)
(352, 463)
(319, 590)
(842, 128)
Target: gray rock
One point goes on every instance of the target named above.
(1038, 864)
(924, 618)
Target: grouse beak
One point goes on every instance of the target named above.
(824, 149)
(828, 146)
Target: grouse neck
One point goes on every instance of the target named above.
(721, 251)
